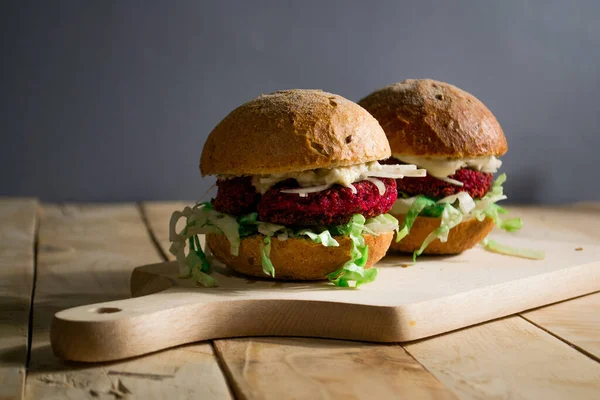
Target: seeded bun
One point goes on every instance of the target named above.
(294, 259)
(293, 130)
(462, 237)
(427, 118)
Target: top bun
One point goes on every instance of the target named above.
(423, 117)
(293, 130)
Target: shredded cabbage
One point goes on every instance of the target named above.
(265, 252)
(450, 218)
(420, 203)
(381, 224)
(202, 219)
(455, 209)
(496, 247)
(353, 270)
(323, 238)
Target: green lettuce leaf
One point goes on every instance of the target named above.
(420, 203)
(380, 224)
(199, 266)
(450, 218)
(202, 219)
(495, 247)
(353, 270)
(451, 214)
(323, 238)
(247, 225)
(265, 252)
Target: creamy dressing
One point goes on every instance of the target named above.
(322, 178)
(443, 168)
(344, 176)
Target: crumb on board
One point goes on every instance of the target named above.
(405, 265)
(578, 248)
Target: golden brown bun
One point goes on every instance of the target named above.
(297, 259)
(423, 117)
(462, 237)
(293, 130)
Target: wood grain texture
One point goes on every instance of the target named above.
(17, 239)
(566, 223)
(158, 214)
(576, 321)
(277, 368)
(436, 295)
(508, 358)
(86, 254)
(511, 358)
(282, 368)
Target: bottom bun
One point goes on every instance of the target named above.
(462, 237)
(294, 258)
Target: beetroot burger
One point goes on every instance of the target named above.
(457, 140)
(300, 192)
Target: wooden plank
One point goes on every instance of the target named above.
(274, 368)
(157, 215)
(278, 368)
(86, 255)
(508, 358)
(487, 378)
(17, 240)
(589, 205)
(513, 358)
(434, 296)
(575, 321)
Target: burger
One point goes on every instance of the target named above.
(457, 140)
(300, 192)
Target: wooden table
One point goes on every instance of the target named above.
(58, 256)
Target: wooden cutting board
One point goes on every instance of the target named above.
(407, 302)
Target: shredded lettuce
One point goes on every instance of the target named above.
(199, 265)
(202, 219)
(455, 209)
(353, 270)
(323, 238)
(265, 252)
(450, 218)
(420, 203)
(380, 224)
(495, 247)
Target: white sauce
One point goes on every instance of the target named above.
(442, 168)
(322, 178)
(344, 176)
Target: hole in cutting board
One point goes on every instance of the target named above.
(105, 310)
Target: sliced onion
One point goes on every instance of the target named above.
(313, 189)
(352, 189)
(380, 185)
(452, 181)
(398, 171)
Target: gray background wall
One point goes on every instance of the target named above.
(112, 100)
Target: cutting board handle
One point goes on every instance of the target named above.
(131, 327)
